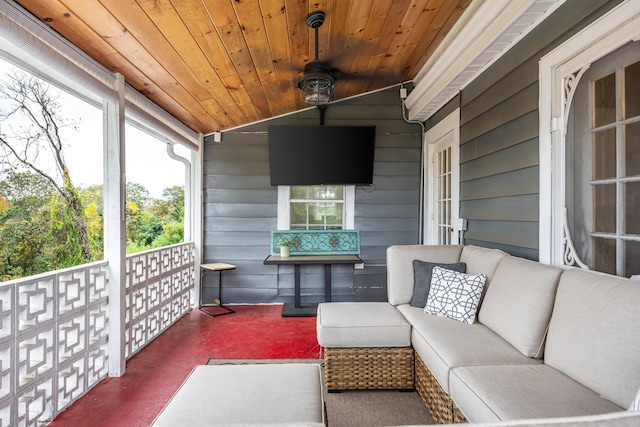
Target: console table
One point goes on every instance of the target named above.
(296, 309)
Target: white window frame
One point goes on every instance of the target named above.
(284, 219)
(559, 73)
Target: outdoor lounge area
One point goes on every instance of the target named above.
(390, 212)
(535, 352)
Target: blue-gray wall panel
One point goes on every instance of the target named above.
(240, 205)
(499, 147)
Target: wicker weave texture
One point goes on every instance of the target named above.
(369, 368)
(438, 402)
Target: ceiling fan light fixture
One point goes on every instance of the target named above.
(316, 83)
(317, 88)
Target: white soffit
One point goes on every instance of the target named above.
(486, 31)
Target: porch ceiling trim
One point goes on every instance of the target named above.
(486, 31)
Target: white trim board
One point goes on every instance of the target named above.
(485, 32)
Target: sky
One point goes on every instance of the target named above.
(147, 162)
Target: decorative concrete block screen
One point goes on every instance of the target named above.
(159, 283)
(54, 328)
(317, 242)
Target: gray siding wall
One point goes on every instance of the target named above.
(240, 206)
(499, 160)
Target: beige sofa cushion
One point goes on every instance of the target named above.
(614, 419)
(444, 343)
(481, 260)
(400, 267)
(594, 333)
(361, 324)
(518, 304)
(508, 392)
(287, 393)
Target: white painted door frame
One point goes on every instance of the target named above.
(446, 132)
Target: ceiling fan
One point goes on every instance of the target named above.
(317, 80)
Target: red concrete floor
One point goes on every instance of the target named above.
(155, 373)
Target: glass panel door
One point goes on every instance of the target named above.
(442, 182)
(442, 170)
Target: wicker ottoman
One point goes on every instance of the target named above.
(252, 394)
(367, 345)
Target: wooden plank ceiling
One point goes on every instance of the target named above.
(218, 64)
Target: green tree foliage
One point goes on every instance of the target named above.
(153, 223)
(34, 221)
(47, 223)
(32, 137)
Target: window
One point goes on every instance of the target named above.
(603, 165)
(315, 207)
(560, 70)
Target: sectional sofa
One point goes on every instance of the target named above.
(543, 342)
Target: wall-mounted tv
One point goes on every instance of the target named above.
(321, 155)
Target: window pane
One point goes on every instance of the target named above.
(632, 91)
(322, 192)
(604, 100)
(316, 214)
(631, 258)
(632, 149)
(334, 215)
(604, 205)
(318, 192)
(316, 207)
(298, 192)
(298, 213)
(604, 154)
(632, 208)
(604, 256)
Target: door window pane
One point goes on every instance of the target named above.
(632, 208)
(603, 163)
(604, 154)
(632, 149)
(632, 258)
(632, 91)
(605, 255)
(604, 200)
(604, 100)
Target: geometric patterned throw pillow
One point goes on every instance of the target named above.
(455, 295)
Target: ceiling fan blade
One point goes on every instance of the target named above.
(364, 75)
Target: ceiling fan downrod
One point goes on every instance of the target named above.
(315, 21)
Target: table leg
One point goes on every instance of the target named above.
(327, 282)
(218, 301)
(296, 285)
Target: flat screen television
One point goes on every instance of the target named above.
(321, 155)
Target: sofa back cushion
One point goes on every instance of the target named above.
(400, 267)
(481, 260)
(518, 304)
(594, 333)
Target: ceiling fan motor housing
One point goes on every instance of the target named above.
(315, 19)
